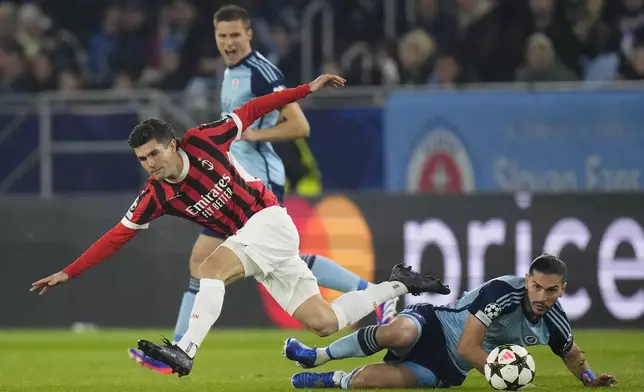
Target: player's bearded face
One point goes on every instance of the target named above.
(233, 40)
(159, 159)
(543, 291)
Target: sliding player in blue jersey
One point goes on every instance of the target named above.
(436, 346)
(249, 75)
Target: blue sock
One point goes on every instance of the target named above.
(332, 275)
(186, 307)
(361, 343)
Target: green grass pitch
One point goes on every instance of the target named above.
(251, 360)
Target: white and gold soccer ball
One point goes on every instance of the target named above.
(509, 367)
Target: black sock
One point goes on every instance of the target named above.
(193, 287)
(367, 340)
(309, 260)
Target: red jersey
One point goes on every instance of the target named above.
(212, 190)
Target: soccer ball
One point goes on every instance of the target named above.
(509, 367)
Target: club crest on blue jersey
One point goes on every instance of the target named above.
(530, 340)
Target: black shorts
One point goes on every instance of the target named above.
(278, 190)
(430, 351)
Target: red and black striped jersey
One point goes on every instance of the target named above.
(212, 190)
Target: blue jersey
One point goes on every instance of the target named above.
(497, 304)
(253, 77)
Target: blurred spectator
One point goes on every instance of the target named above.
(599, 41)
(201, 87)
(415, 51)
(357, 20)
(42, 76)
(69, 81)
(546, 19)
(635, 71)
(386, 69)
(103, 46)
(133, 46)
(286, 53)
(171, 78)
(180, 38)
(595, 35)
(448, 73)
(440, 25)
(123, 82)
(12, 71)
(32, 25)
(7, 23)
(541, 63)
(330, 67)
(631, 16)
(478, 34)
(169, 44)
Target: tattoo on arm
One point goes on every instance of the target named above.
(576, 362)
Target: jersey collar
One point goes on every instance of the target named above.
(184, 171)
(242, 61)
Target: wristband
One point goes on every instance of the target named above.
(589, 373)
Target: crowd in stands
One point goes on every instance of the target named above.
(168, 44)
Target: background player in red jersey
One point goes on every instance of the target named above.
(199, 180)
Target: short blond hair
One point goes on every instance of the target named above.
(421, 42)
(540, 40)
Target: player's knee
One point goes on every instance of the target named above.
(210, 269)
(399, 334)
(195, 264)
(324, 329)
(364, 379)
(323, 324)
(222, 264)
(201, 250)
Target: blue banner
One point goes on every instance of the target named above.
(551, 141)
(347, 144)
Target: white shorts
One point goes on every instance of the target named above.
(268, 247)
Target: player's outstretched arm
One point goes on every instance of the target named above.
(258, 107)
(578, 366)
(470, 346)
(294, 126)
(103, 248)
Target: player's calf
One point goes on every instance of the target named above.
(401, 334)
(325, 319)
(380, 376)
(318, 316)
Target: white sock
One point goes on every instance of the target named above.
(337, 378)
(353, 306)
(321, 357)
(206, 310)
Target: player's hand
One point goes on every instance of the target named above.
(44, 284)
(250, 135)
(326, 80)
(604, 380)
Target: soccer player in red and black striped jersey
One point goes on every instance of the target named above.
(197, 179)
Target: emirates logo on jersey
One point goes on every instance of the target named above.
(212, 201)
